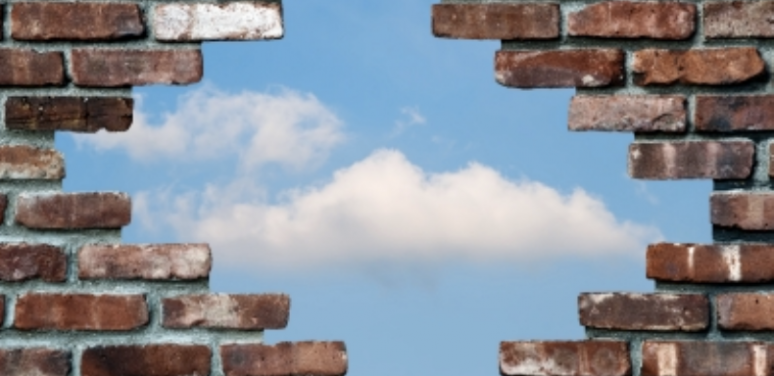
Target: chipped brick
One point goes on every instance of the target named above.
(627, 113)
(531, 21)
(717, 66)
(227, 21)
(565, 68)
(76, 114)
(26, 162)
(246, 312)
(556, 358)
(73, 210)
(150, 261)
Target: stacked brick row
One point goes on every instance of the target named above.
(73, 300)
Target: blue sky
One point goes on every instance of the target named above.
(408, 204)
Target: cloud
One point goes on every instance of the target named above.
(411, 117)
(385, 209)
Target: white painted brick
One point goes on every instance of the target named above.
(223, 21)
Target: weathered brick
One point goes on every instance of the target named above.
(26, 162)
(554, 358)
(744, 263)
(629, 113)
(738, 19)
(75, 21)
(691, 160)
(148, 360)
(744, 210)
(246, 312)
(227, 21)
(80, 312)
(718, 66)
(496, 21)
(731, 113)
(746, 311)
(563, 68)
(73, 210)
(151, 262)
(3, 206)
(704, 358)
(2, 311)
(22, 262)
(23, 67)
(285, 359)
(634, 19)
(117, 68)
(655, 312)
(77, 114)
(34, 362)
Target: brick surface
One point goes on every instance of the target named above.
(228, 21)
(705, 358)
(718, 66)
(565, 68)
(744, 210)
(628, 113)
(77, 114)
(630, 19)
(3, 206)
(34, 362)
(731, 113)
(554, 358)
(285, 359)
(75, 21)
(151, 262)
(654, 312)
(23, 67)
(22, 262)
(743, 263)
(746, 311)
(2, 311)
(738, 19)
(528, 21)
(691, 160)
(26, 162)
(117, 68)
(80, 312)
(73, 210)
(149, 360)
(246, 312)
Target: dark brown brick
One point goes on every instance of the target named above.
(2, 312)
(628, 113)
(22, 262)
(151, 262)
(738, 19)
(704, 358)
(731, 113)
(743, 263)
(148, 360)
(555, 358)
(565, 68)
(246, 312)
(25, 162)
(746, 311)
(691, 160)
(34, 362)
(654, 312)
(73, 210)
(634, 19)
(496, 21)
(718, 66)
(285, 359)
(75, 21)
(117, 68)
(3, 206)
(744, 210)
(77, 114)
(29, 68)
(80, 312)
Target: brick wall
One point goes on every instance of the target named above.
(692, 81)
(73, 299)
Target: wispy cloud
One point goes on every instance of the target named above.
(410, 116)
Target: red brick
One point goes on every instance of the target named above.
(718, 66)
(654, 312)
(117, 68)
(77, 114)
(565, 68)
(75, 21)
(246, 312)
(285, 359)
(148, 360)
(22, 262)
(634, 19)
(2, 312)
(743, 263)
(73, 210)
(80, 312)
(23, 67)
(34, 362)
(3, 206)
(150, 262)
(238, 20)
(746, 311)
(731, 113)
(628, 113)
(26, 162)
(691, 160)
(554, 358)
(744, 210)
(704, 358)
(496, 21)
(738, 19)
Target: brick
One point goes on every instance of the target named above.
(555, 358)
(26, 162)
(719, 66)
(2, 312)
(731, 113)
(23, 67)
(739, 19)
(245, 312)
(80, 312)
(565, 68)
(634, 19)
(530, 21)
(119, 68)
(22, 262)
(228, 21)
(149, 262)
(148, 360)
(66, 211)
(743, 263)
(745, 311)
(654, 312)
(691, 160)
(3, 206)
(704, 358)
(75, 21)
(628, 113)
(744, 210)
(34, 362)
(285, 359)
(76, 114)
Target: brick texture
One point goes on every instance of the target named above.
(149, 262)
(732, 113)
(22, 262)
(529, 21)
(583, 358)
(717, 66)
(73, 211)
(721, 263)
(747, 211)
(628, 19)
(26, 162)
(117, 68)
(149, 360)
(228, 21)
(627, 113)
(57, 21)
(691, 160)
(34, 362)
(553, 69)
(654, 312)
(80, 312)
(661, 358)
(77, 114)
(746, 311)
(23, 67)
(245, 312)
(740, 19)
(285, 359)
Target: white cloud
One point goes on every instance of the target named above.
(410, 117)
